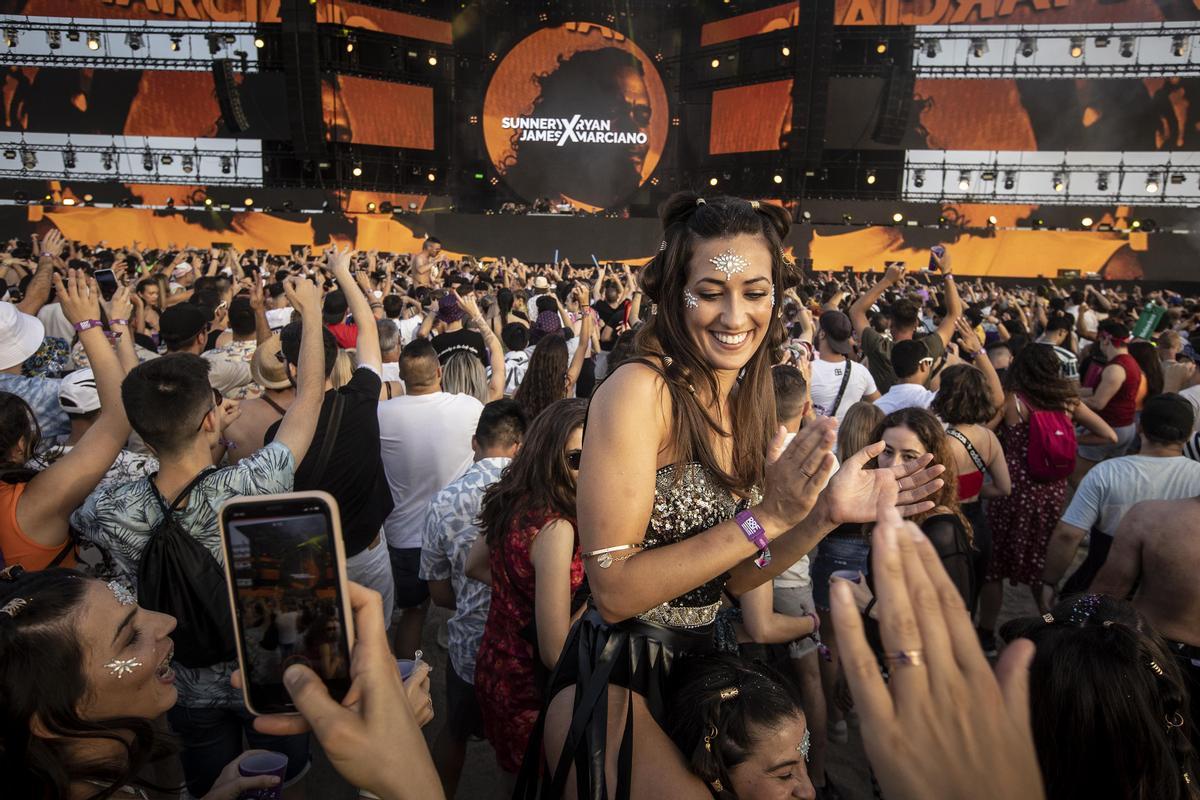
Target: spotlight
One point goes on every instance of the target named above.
(932, 48)
(1086, 222)
(870, 177)
(1102, 181)
(897, 217)
(919, 178)
(386, 208)
(54, 39)
(941, 222)
(68, 201)
(1152, 183)
(134, 41)
(226, 165)
(229, 38)
(716, 62)
(167, 160)
(713, 181)
(107, 158)
(1038, 222)
(1010, 180)
(93, 41)
(357, 171)
(992, 220)
(248, 202)
(807, 215)
(208, 201)
(432, 60)
(176, 43)
(1076, 47)
(881, 47)
(1060, 182)
(1101, 41)
(431, 176)
(72, 35)
(778, 179)
(1137, 223)
(10, 154)
(964, 181)
(87, 199)
(349, 44)
(29, 159)
(371, 207)
(69, 158)
(1126, 47)
(148, 161)
(10, 37)
(1179, 46)
(188, 164)
(1028, 46)
(259, 43)
(847, 219)
(214, 44)
(979, 47)
(786, 51)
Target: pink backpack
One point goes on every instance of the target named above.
(1051, 443)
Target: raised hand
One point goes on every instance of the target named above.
(79, 297)
(338, 258)
(944, 725)
(797, 474)
(467, 304)
(855, 490)
(966, 335)
(121, 304)
(302, 295)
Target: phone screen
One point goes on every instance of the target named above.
(287, 597)
(107, 282)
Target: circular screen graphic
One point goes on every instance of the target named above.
(578, 113)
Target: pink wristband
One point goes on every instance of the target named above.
(755, 535)
(85, 324)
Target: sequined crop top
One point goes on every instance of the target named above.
(682, 508)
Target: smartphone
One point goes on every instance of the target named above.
(286, 571)
(935, 252)
(107, 281)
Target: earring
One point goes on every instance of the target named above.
(712, 734)
(690, 300)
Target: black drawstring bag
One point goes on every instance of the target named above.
(179, 576)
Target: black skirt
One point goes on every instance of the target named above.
(633, 654)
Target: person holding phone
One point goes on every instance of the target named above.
(172, 407)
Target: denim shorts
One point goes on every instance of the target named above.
(836, 553)
(212, 737)
(1102, 452)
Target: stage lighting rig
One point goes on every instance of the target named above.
(1077, 47)
(54, 39)
(1028, 46)
(1152, 183)
(93, 41)
(148, 161)
(964, 181)
(29, 159)
(979, 47)
(134, 40)
(1126, 47)
(69, 158)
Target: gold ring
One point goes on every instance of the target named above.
(906, 658)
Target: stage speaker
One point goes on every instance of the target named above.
(228, 96)
(896, 106)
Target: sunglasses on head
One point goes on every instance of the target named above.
(926, 361)
(574, 457)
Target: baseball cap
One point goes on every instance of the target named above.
(838, 331)
(77, 393)
(334, 308)
(1168, 418)
(182, 321)
(181, 270)
(20, 335)
(267, 366)
(448, 309)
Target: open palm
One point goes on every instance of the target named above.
(854, 490)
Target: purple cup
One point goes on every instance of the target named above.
(270, 763)
(846, 575)
(406, 665)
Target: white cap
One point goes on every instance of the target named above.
(181, 270)
(20, 336)
(77, 393)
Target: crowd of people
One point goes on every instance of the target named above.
(693, 520)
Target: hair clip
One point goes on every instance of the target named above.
(689, 299)
(700, 201)
(754, 204)
(663, 246)
(1187, 778)
(123, 595)
(14, 606)
(1157, 669)
(1174, 721)
(712, 734)
(1048, 618)
(729, 694)
(11, 573)
(719, 787)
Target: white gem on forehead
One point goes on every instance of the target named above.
(123, 595)
(805, 744)
(122, 666)
(729, 263)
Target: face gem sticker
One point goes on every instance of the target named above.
(122, 666)
(123, 595)
(729, 263)
(690, 300)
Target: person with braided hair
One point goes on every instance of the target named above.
(741, 728)
(1108, 704)
(686, 491)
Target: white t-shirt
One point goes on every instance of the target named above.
(408, 329)
(827, 379)
(1192, 395)
(425, 442)
(278, 318)
(796, 576)
(1113, 487)
(905, 395)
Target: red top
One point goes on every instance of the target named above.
(969, 485)
(1120, 409)
(346, 335)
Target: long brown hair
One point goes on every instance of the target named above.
(934, 439)
(545, 379)
(538, 479)
(1036, 373)
(665, 345)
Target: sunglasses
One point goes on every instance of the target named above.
(218, 399)
(574, 457)
(927, 360)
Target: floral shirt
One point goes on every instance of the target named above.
(451, 527)
(120, 519)
(50, 361)
(128, 466)
(230, 369)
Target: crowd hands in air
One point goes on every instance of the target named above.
(896, 395)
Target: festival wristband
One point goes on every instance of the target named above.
(756, 535)
(85, 324)
(124, 322)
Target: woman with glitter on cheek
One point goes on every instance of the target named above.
(84, 671)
